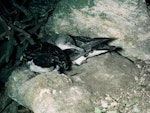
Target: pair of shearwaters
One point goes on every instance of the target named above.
(59, 52)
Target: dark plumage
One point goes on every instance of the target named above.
(47, 55)
(89, 44)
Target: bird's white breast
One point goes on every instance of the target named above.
(36, 68)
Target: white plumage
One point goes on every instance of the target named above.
(36, 68)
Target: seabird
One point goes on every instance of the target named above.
(80, 48)
(42, 56)
(61, 51)
(91, 46)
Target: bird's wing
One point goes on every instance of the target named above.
(89, 43)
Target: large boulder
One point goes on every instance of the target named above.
(48, 93)
(126, 20)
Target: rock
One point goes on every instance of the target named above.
(48, 93)
(107, 74)
(128, 21)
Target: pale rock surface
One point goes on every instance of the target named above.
(126, 20)
(48, 93)
(107, 74)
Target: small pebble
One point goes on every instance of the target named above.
(104, 103)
